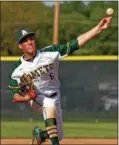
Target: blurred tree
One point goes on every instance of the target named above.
(75, 19)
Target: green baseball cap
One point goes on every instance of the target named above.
(22, 33)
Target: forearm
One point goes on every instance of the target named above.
(82, 39)
(18, 98)
(29, 96)
(102, 25)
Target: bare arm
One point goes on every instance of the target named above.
(103, 24)
(18, 98)
(29, 96)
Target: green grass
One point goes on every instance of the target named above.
(22, 129)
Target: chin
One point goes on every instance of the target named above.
(32, 52)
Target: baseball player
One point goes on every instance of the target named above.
(35, 78)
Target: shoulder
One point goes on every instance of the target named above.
(49, 48)
(13, 82)
(16, 65)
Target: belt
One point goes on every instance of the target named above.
(52, 95)
(48, 96)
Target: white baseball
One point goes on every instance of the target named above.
(109, 11)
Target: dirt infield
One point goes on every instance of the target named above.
(65, 141)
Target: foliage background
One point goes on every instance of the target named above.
(75, 19)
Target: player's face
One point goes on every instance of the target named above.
(28, 45)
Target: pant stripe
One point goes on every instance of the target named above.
(53, 135)
(52, 131)
(51, 127)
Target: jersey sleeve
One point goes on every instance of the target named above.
(65, 49)
(13, 84)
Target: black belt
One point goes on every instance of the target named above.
(52, 95)
(49, 96)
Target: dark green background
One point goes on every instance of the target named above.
(83, 85)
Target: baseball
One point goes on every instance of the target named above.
(109, 11)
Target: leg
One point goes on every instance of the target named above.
(34, 106)
(59, 122)
(53, 120)
(38, 135)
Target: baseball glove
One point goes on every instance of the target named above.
(25, 86)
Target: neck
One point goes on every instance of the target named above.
(28, 57)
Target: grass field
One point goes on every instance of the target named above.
(17, 129)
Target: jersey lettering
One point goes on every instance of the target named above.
(37, 73)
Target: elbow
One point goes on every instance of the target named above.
(15, 100)
(20, 99)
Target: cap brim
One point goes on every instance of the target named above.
(28, 34)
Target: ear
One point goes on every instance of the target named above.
(20, 46)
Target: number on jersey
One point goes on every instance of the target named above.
(51, 76)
